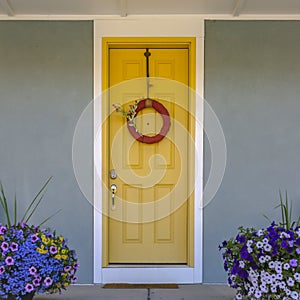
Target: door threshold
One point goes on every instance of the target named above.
(180, 274)
(147, 266)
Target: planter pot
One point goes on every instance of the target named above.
(25, 297)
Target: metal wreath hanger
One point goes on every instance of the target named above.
(146, 103)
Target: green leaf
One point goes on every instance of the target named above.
(265, 216)
(34, 209)
(51, 216)
(15, 209)
(31, 205)
(4, 205)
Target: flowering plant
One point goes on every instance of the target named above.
(33, 260)
(130, 115)
(264, 264)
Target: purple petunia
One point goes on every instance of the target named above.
(4, 246)
(34, 238)
(293, 263)
(9, 261)
(32, 271)
(67, 268)
(23, 224)
(260, 262)
(284, 244)
(53, 250)
(48, 281)
(28, 265)
(74, 279)
(241, 239)
(29, 288)
(36, 282)
(14, 247)
(2, 229)
(2, 270)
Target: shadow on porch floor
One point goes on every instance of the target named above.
(185, 292)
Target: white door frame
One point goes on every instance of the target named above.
(149, 26)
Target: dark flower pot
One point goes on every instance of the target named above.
(25, 297)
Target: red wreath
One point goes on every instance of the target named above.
(166, 122)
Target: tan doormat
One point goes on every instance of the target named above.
(140, 286)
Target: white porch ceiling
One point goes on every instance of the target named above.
(234, 8)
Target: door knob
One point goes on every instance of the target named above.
(113, 189)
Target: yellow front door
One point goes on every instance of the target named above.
(149, 213)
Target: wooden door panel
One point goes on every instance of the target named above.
(165, 239)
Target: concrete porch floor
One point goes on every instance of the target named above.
(185, 292)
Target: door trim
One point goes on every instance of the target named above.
(151, 43)
(180, 274)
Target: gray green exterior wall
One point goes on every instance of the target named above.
(252, 82)
(46, 81)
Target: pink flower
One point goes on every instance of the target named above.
(53, 250)
(2, 229)
(48, 281)
(29, 288)
(9, 261)
(14, 246)
(34, 238)
(32, 271)
(4, 246)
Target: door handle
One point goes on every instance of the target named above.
(113, 189)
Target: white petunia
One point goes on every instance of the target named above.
(278, 263)
(238, 297)
(268, 257)
(264, 288)
(254, 283)
(295, 295)
(297, 276)
(273, 289)
(259, 245)
(290, 282)
(271, 264)
(286, 266)
(267, 247)
(269, 280)
(249, 243)
(288, 291)
(260, 232)
(282, 285)
(265, 241)
(262, 259)
(257, 294)
(284, 235)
